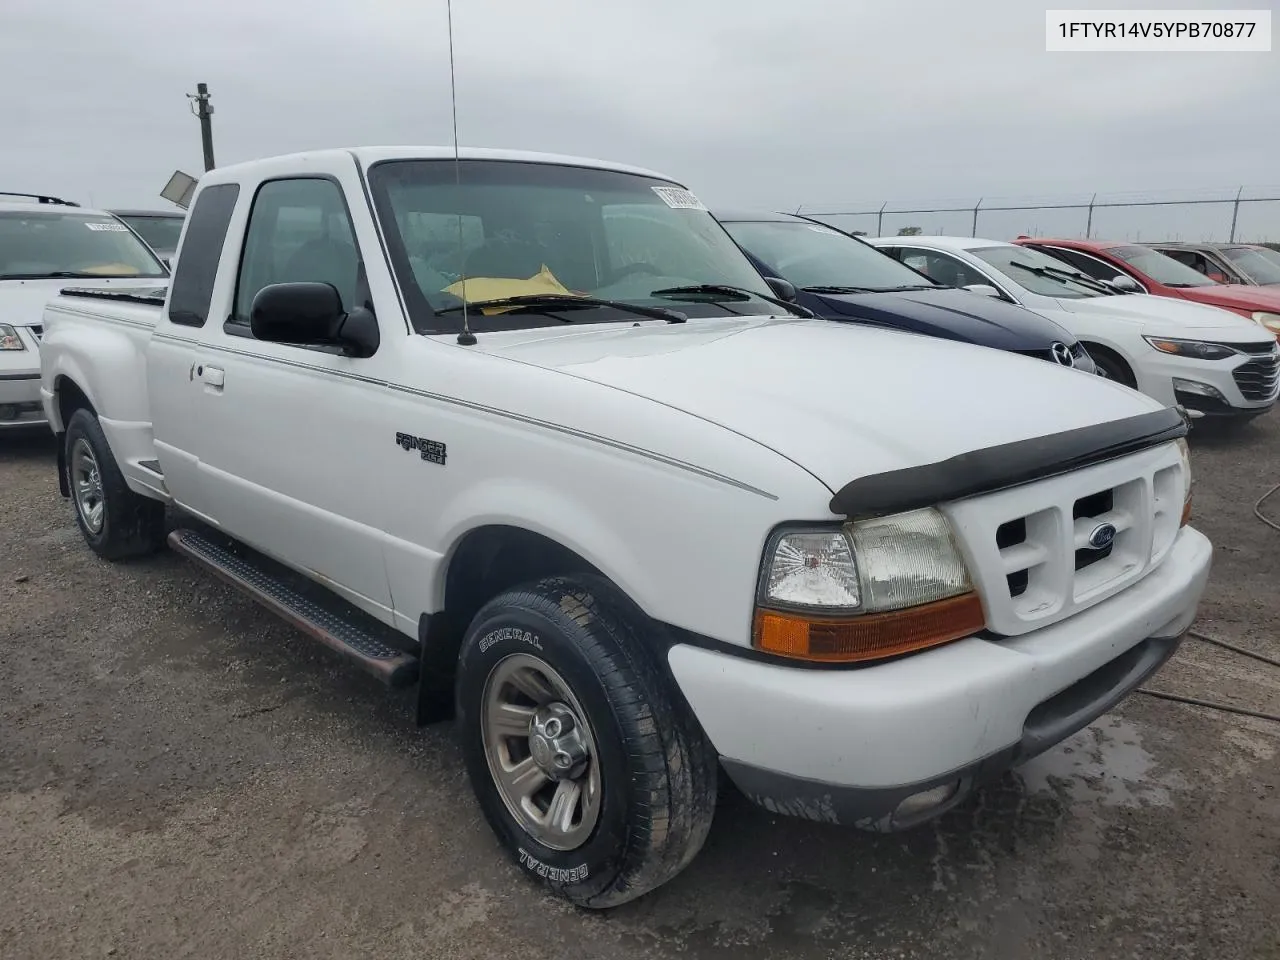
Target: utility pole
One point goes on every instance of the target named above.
(204, 110)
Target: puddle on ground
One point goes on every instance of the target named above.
(1103, 763)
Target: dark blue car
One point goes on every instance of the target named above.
(839, 277)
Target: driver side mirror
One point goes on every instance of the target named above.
(783, 289)
(1124, 283)
(984, 289)
(309, 314)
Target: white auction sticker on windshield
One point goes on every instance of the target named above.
(820, 229)
(678, 198)
(100, 226)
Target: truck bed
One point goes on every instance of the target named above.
(97, 340)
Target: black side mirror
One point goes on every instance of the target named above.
(782, 289)
(311, 314)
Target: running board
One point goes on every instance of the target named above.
(317, 611)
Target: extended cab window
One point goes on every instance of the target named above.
(192, 288)
(299, 230)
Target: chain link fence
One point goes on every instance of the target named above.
(1245, 214)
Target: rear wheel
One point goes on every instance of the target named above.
(590, 769)
(116, 522)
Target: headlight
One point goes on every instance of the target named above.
(870, 589)
(9, 338)
(1269, 320)
(1185, 451)
(1194, 349)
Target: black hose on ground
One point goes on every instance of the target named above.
(1226, 707)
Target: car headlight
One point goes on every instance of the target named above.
(9, 339)
(1193, 349)
(1269, 320)
(868, 590)
(1185, 451)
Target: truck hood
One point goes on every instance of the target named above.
(840, 400)
(953, 314)
(22, 302)
(1165, 316)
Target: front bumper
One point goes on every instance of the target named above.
(849, 746)
(1206, 388)
(20, 405)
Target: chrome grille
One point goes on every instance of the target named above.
(1257, 379)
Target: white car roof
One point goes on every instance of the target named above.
(370, 155)
(36, 209)
(943, 243)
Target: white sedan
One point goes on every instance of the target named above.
(1210, 361)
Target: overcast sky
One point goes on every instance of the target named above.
(774, 104)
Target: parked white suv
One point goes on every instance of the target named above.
(45, 244)
(633, 516)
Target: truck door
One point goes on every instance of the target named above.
(171, 352)
(289, 436)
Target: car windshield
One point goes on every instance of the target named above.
(160, 232)
(512, 229)
(1160, 268)
(1255, 263)
(1040, 273)
(43, 245)
(812, 255)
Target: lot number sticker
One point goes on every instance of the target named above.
(100, 226)
(678, 198)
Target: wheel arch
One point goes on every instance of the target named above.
(482, 563)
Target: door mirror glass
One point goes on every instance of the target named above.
(986, 289)
(299, 313)
(782, 289)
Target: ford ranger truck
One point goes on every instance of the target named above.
(531, 432)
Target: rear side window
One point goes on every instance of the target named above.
(191, 289)
(299, 230)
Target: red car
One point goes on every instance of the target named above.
(1138, 269)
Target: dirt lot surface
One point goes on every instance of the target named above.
(183, 776)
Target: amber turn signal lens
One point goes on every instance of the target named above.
(871, 636)
(1186, 511)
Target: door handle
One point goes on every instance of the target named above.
(213, 377)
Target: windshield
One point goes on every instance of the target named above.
(517, 229)
(1160, 268)
(1040, 273)
(160, 232)
(1255, 264)
(810, 255)
(42, 245)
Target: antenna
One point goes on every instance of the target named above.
(466, 338)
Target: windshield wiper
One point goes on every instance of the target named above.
(1056, 274)
(833, 288)
(64, 275)
(565, 301)
(723, 291)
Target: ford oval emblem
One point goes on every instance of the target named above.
(1102, 536)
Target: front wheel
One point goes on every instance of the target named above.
(589, 768)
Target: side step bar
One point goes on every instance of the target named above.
(375, 647)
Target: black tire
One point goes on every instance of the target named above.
(132, 525)
(657, 770)
(1112, 366)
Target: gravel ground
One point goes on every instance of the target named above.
(183, 776)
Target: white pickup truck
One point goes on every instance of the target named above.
(531, 432)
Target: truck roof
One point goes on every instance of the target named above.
(366, 156)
